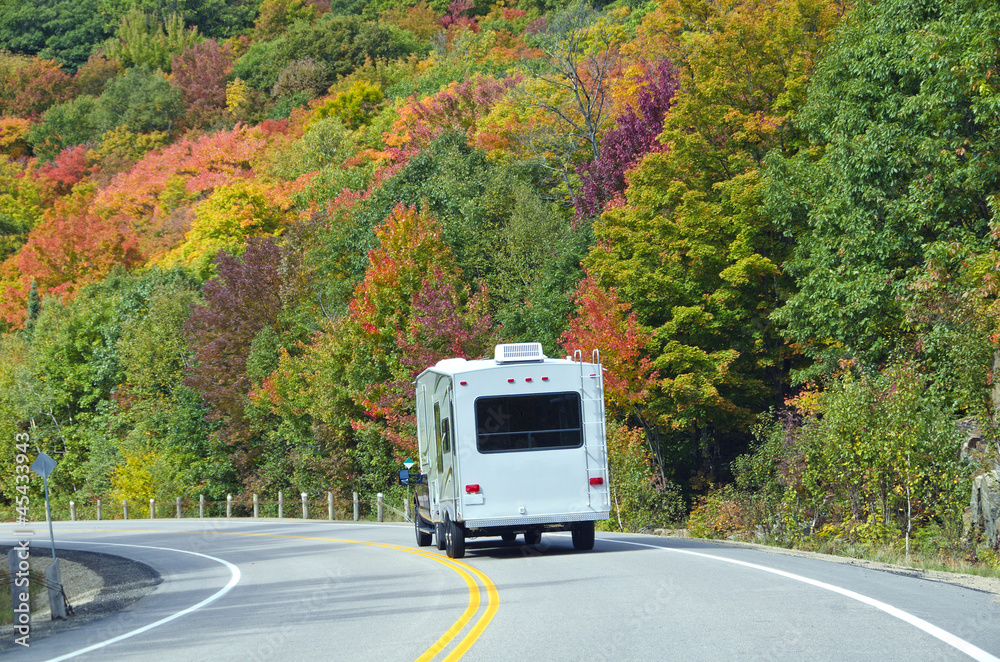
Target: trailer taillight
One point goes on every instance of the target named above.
(527, 379)
(510, 381)
(472, 489)
(593, 481)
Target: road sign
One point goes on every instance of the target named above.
(43, 465)
(408, 463)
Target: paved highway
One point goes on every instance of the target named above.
(292, 590)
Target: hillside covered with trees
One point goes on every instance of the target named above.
(233, 231)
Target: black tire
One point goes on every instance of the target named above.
(510, 536)
(423, 538)
(532, 537)
(439, 536)
(456, 540)
(583, 536)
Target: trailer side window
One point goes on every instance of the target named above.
(437, 434)
(528, 422)
(446, 435)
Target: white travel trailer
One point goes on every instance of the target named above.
(510, 445)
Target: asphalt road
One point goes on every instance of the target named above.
(289, 590)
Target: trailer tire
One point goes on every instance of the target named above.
(423, 538)
(440, 539)
(532, 537)
(509, 536)
(456, 540)
(583, 536)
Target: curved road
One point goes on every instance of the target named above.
(292, 590)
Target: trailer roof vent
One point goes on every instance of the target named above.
(518, 352)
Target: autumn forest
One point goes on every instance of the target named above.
(232, 232)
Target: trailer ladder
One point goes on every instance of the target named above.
(595, 441)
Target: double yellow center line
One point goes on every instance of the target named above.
(465, 571)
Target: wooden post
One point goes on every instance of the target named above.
(356, 507)
(281, 505)
(201, 505)
(229, 505)
(381, 508)
(329, 505)
(256, 506)
(178, 507)
(72, 511)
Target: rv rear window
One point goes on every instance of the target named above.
(528, 422)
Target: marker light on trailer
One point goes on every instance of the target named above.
(593, 481)
(472, 489)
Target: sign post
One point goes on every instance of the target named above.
(43, 466)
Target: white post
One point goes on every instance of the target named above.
(305, 506)
(152, 509)
(281, 505)
(329, 505)
(229, 505)
(72, 511)
(98, 510)
(381, 508)
(356, 507)
(201, 505)
(256, 506)
(406, 510)
(125, 509)
(178, 507)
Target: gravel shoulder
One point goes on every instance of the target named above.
(96, 586)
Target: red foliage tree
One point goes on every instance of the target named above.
(156, 195)
(60, 175)
(634, 135)
(201, 72)
(69, 248)
(604, 323)
(33, 88)
(242, 300)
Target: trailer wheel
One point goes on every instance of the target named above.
(423, 538)
(439, 536)
(583, 536)
(509, 536)
(532, 537)
(456, 540)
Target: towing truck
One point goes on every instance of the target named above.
(508, 446)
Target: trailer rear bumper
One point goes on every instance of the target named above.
(535, 520)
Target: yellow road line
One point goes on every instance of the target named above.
(463, 570)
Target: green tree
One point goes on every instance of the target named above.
(903, 124)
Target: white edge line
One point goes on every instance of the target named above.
(962, 645)
(212, 598)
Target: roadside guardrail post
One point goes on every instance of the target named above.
(356, 507)
(229, 505)
(125, 509)
(256, 507)
(329, 505)
(281, 505)
(152, 509)
(201, 505)
(305, 506)
(178, 507)
(72, 511)
(381, 507)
